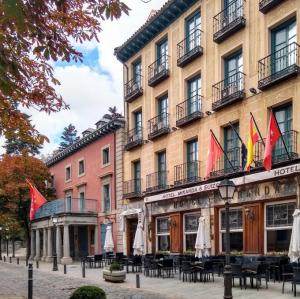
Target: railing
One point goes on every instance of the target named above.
(190, 43)
(133, 87)
(134, 137)
(158, 125)
(67, 205)
(156, 181)
(227, 17)
(278, 65)
(188, 109)
(132, 187)
(228, 89)
(187, 173)
(266, 5)
(158, 67)
(228, 164)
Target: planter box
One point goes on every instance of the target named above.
(115, 276)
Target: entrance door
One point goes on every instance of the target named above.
(130, 233)
(103, 233)
(83, 241)
(253, 231)
(175, 233)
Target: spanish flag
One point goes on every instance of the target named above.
(252, 139)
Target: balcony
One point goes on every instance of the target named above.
(189, 49)
(158, 126)
(187, 173)
(156, 181)
(134, 138)
(280, 155)
(278, 66)
(228, 91)
(267, 5)
(229, 21)
(189, 111)
(68, 205)
(133, 89)
(132, 188)
(228, 165)
(158, 70)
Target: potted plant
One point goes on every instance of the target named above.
(115, 273)
(88, 292)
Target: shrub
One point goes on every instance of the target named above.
(115, 266)
(88, 292)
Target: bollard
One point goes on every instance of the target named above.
(10, 259)
(83, 268)
(37, 264)
(65, 269)
(137, 279)
(4, 258)
(18, 261)
(30, 280)
(26, 262)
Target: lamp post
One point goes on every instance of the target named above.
(54, 221)
(226, 189)
(7, 229)
(0, 243)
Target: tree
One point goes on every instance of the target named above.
(69, 137)
(113, 114)
(32, 33)
(14, 191)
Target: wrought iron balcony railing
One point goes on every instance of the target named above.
(228, 91)
(279, 155)
(134, 138)
(229, 20)
(158, 126)
(133, 89)
(157, 181)
(189, 48)
(189, 110)
(67, 205)
(158, 70)
(279, 66)
(231, 163)
(187, 173)
(132, 188)
(267, 5)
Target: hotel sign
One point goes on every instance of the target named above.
(240, 181)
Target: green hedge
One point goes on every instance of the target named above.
(88, 292)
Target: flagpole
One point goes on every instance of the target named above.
(237, 134)
(222, 149)
(257, 129)
(288, 154)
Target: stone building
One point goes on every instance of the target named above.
(88, 179)
(197, 66)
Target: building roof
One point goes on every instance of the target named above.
(160, 20)
(107, 128)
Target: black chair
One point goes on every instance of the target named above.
(98, 260)
(167, 267)
(259, 272)
(237, 272)
(187, 270)
(296, 279)
(287, 274)
(207, 271)
(136, 263)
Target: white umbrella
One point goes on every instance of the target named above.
(108, 243)
(202, 241)
(294, 251)
(138, 244)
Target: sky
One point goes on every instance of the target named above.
(97, 83)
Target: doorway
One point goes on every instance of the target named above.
(131, 226)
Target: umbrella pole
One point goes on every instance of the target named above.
(298, 192)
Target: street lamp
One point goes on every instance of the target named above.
(54, 221)
(226, 189)
(0, 243)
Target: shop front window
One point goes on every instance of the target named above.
(236, 230)
(163, 234)
(191, 222)
(279, 222)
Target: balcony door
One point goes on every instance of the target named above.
(162, 169)
(231, 148)
(136, 74)
(192, 159)
(192, 33)
(137, 176)
(162, 55)
(193, 95)
(284, 49)
(138, 124)
(233, 65)
(162, 109)
(232, 10)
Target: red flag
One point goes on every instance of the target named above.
(37, 200)
(214, 153)
(273, 135)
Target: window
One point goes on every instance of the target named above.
(231, 147)
(136, 73)
(81, 201)
(81, 168)
(162, 234)
(138, 124)
(162, 112)
(279, 222)
(233, 68)
(137, 176)
(236, 229)
(68, 173)
(192, 158)
(191, 223)
(105, 156)
(161, 169)
(193, 95)
(192, 32)
(232, 10)
(92, 236)
(106, 198)
(162, 50)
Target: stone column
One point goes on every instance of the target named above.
(44, 244)
(96, 243)
(37, 245)
(49, 245)
(32, 244)
(58, 243)
(66, 258)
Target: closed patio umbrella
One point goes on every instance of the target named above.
(108, 243)
(202, 245)
(294, 251)
(138, 244)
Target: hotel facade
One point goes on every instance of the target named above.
(197, 66)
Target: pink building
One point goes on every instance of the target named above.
(87, 177)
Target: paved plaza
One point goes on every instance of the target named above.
(56, 285)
